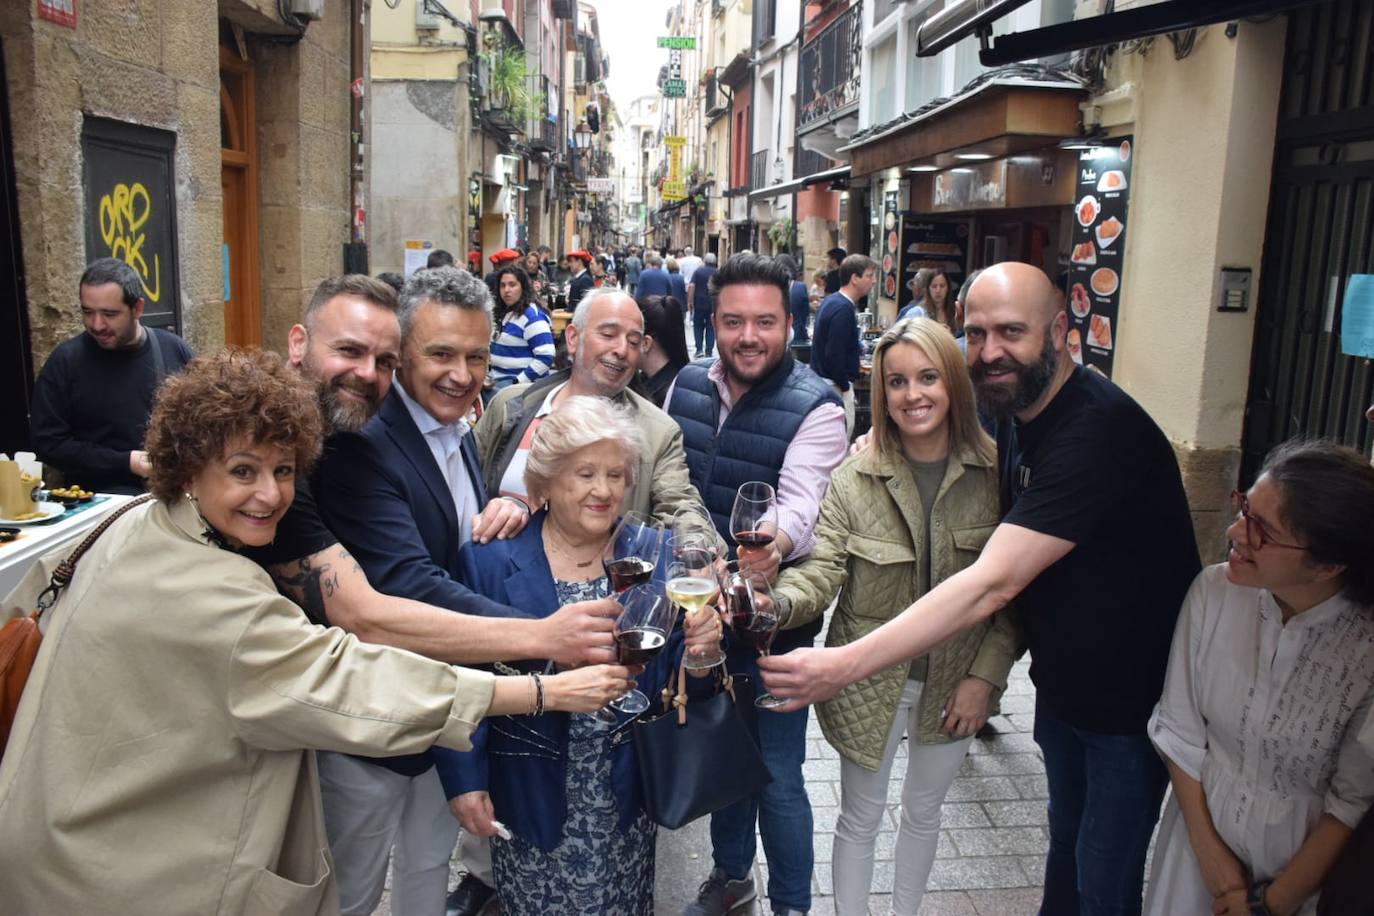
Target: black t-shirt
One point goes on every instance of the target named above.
(300, 533)
(1094, 469)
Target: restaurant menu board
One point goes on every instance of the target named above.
(888, 276)
(938, 244)
(1099, 243)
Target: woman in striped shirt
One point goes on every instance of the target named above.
(523, 348)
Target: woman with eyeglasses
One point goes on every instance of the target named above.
(1270, 681)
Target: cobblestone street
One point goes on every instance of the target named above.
(992, 841)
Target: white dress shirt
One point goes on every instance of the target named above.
(445, 444)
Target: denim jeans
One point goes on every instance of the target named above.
(1105, 795)
(705, 331)
(783, 812)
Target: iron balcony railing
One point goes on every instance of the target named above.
(830, 65)
(758, 170)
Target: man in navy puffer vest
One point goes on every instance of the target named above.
(756, 414)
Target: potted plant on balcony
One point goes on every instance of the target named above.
(507, 84)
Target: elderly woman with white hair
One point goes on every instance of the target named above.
(565, 786)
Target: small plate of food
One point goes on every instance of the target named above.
(8, 534)
(41, 512)
(71, 496)
(1079, 301)
(1115, 180)
(1087, 210)
(1100, 332)
(1084, 253)
(1108, 231)
(1104, 281)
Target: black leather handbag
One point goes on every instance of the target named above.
(699, 755)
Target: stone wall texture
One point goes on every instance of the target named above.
(156, 63)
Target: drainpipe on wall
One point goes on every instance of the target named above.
(355, 250)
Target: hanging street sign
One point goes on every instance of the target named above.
(678, 42)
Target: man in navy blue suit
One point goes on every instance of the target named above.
(403, 494)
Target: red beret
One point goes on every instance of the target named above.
(582, 254)
(504, 255)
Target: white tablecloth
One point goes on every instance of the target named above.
(37, 540)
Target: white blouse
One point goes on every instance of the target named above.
(1268, 718)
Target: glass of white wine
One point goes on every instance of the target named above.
(693, 584)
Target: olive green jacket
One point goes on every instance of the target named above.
(870, 540)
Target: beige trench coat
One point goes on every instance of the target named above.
(156, 764)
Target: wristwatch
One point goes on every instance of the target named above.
(1254, 899)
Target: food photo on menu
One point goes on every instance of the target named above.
(1076, 346)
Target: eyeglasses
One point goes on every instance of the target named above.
(1256, 535)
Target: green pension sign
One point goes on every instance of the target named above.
(675, 89)
(678, 42)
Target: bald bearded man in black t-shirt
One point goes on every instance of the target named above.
(1097, 548)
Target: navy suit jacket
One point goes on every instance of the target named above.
(384, 497)
(654, 282)
(522, 760)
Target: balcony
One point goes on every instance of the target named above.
(830, 65)
(716, 103)
(542, 130)
(758, 170)
(810, 162)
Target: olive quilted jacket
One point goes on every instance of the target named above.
(870, 550)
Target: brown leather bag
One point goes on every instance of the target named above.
(20, 637)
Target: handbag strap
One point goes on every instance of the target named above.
(679, 699)
(62, 576)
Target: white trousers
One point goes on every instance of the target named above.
(930, 769)
(474, 854)
(372, 814)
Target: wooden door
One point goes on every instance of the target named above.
(239, 180)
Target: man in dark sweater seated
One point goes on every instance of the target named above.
(93, 397)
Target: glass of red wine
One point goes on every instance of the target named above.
(641, 632)
(754, 616)
(754, 518)
(632, 551)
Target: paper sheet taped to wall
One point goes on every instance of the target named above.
(1357, 316)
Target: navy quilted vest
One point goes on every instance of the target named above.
(752, 442)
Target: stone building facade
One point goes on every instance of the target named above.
(219, 135)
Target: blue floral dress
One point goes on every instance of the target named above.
(596, 867)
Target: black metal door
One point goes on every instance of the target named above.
(1321, 231)
(16, 362)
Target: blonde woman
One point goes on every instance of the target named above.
(899, 518)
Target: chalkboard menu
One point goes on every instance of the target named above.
(1099, 245)
(131, 209)
(938, 244)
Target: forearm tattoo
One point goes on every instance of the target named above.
(308, 584)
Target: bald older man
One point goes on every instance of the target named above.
(606, 342)
(1096, 546)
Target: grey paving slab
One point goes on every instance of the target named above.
(999, 841)
(1016, 814)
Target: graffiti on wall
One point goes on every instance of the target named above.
(129, 174)
(123, 213)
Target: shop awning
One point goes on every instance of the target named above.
(975, 17)
(777, 190)
(826, 177)
(998, 117)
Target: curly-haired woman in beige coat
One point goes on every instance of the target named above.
(904, 514)
(160, 760)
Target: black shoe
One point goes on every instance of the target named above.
(469, 898)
